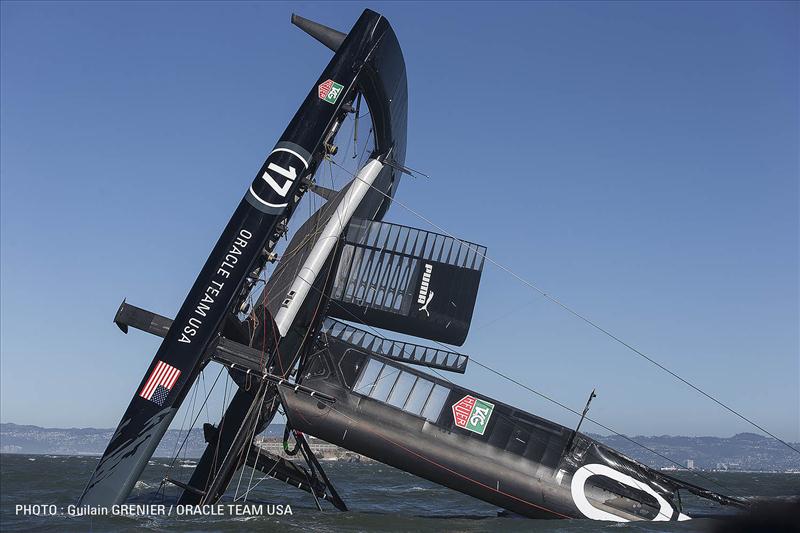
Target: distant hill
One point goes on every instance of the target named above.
(745, 451)
(15, 438)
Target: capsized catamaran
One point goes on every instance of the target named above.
(304, 340)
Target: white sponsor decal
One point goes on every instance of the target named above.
(425, 296)
(289, 176)
(215, 287)
(578, 485)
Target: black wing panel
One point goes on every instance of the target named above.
(407, 280)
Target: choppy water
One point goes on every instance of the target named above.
(380, 499)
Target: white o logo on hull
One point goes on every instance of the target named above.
(578, 484)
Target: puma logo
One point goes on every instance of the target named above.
(427, 301)
(425, 296)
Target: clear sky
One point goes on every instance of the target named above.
(639, 161)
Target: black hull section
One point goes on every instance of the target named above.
(420, 448)
(509, 458)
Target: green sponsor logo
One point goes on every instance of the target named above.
(472, 414)
(329, 91)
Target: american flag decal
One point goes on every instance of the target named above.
(161, 380)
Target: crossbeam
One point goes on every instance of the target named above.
(234, 355)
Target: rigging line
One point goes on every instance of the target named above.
(336, 207)
(188, 432)
(195, 390)
(252, 470)
(220, 429)
(589, 321)
(203, 377)
(175, 451)
(360, 162)
(267, 474)
(256, 484)
(330, 175)
(253, 487)
(262, 361)
(250, 440)
(199, 411)
(508, 313)
(349, 136)
(355, 127)
(347, 148)
(258, 399)
(369, 137)
(198, 414)
(408, 170)
(618, 434)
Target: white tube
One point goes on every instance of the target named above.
(324, 245)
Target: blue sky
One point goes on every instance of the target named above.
(638, 161)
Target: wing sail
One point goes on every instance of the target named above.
(407, 280)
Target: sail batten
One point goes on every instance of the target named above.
(404, 352)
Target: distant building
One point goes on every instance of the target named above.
(690, 464)
(323, 450)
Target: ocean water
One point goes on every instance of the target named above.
(380, 499)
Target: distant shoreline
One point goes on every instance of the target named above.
(167, 458)
(744, 452)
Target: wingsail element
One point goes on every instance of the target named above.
(335, 332)
(407, 280)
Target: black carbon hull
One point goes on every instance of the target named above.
(520, 462)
